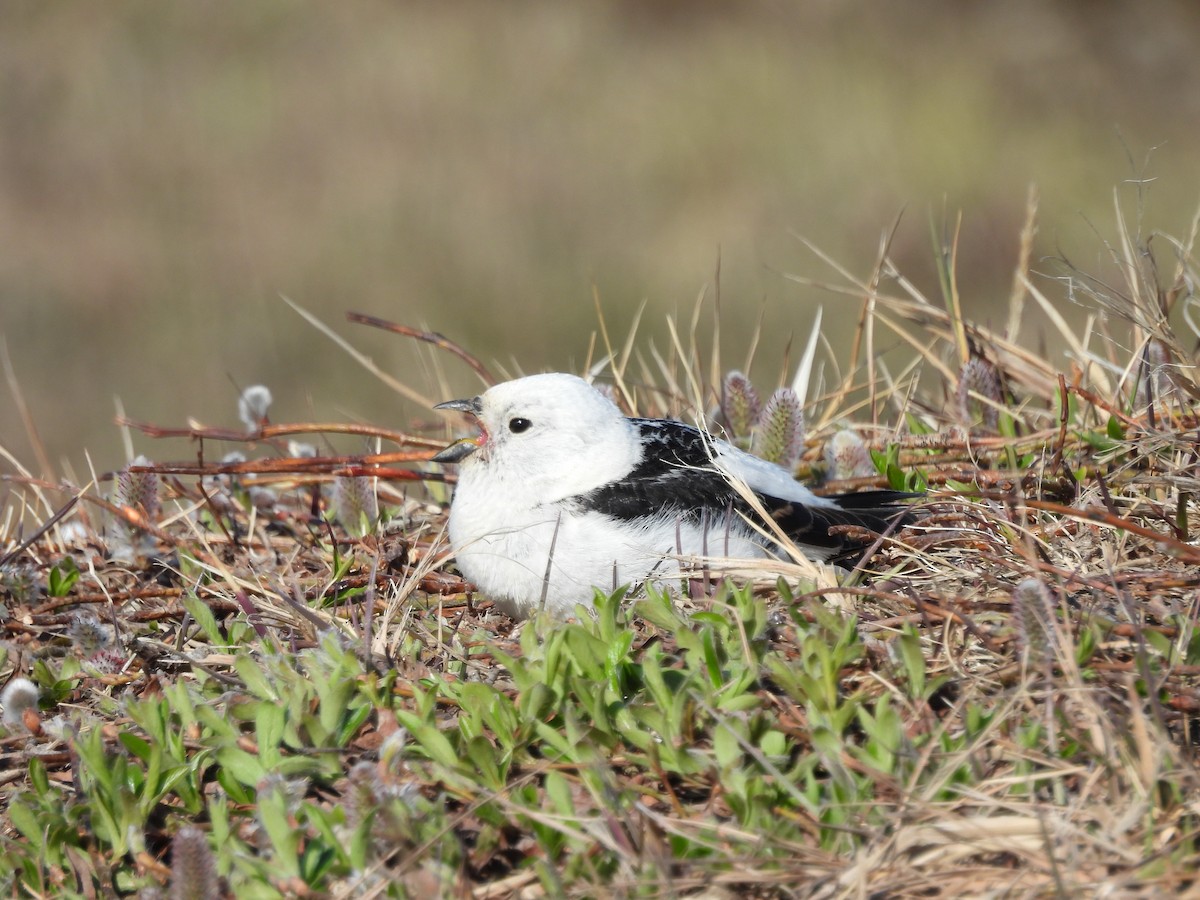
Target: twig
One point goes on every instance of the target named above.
(269, 432)
(430, 337)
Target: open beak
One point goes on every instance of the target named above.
(472, 406)
(456, 452)
(463, 447)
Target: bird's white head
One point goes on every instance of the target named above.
(551, 436)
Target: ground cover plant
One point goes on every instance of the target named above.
(257, 674)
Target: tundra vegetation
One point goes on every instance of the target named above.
(256, 673)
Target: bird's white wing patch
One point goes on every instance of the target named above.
(764, 477)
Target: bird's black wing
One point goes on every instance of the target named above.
(675, 475)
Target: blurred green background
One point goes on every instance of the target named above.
(167, 170)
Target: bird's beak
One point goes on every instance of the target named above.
(456, 452)
(472, 406)
(463, 447)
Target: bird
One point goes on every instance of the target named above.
(561, 494)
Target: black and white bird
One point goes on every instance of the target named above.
(561, 494)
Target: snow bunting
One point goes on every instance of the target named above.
(561, 494)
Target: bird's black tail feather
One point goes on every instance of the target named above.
(878, 511)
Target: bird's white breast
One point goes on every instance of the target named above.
(519, 554)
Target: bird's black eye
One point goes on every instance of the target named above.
(517, 425)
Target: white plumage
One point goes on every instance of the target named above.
(562, 494)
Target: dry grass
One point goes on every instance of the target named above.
(166, 175)
(1005, 708)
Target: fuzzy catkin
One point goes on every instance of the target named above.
(193, 874)
(138, 490)
(740, 404)
(982, 378)
(1033, 621)
(19, 696)
(847, 456)
(354, 503)
(779, 433)
(253, 405)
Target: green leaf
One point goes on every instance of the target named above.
(558, 792)
(618, 652)
(737, 694)
(917, 483)
(1100, 442)
(1161, 643)
(885, 733)
(536, 701)
(352, 724)
(219, 827)
(659, 610)
(561, 746)
(95, 761)
(435, 744)
(482, 755)
(1007, 425)
(106, 820)
(216, 724)
(324, 822)
(335, 697)
(256, 680)
(138, 746)
(914, 661)
(204, 618)
(38, 779)
(62, 577)
(244, 767)
(916, 425)
(1086, 643)
(285, 837)
(654, 680)
(268, 732)
(316, 860)
(26, 821)
(711, 661)
(775, 743)
(726, 746)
